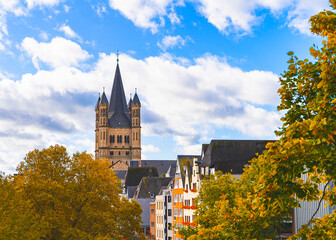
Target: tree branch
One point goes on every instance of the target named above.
(320, 202)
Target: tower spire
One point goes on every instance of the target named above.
(117, 56)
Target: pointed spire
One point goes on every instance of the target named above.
(136, 100)
(97, 104)
(118, 111)
(130, 102)
(104, 98)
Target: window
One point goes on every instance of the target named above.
(187, 202)
(152, 224)
(127, 153)
(152, 211)
(169, 212)
(169, 198)
(136, 136)
(111, 153)
(180, 197)
(194, 185)
(119, 152)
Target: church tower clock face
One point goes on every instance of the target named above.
(118, 127)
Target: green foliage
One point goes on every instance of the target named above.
(55, 196)
(254, 206)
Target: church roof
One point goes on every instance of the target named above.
(103, 99)
(97, 104)
(136, 100)
(117, 112)
(129, 103)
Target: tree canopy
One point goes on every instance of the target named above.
(55, 196)
(255, 205)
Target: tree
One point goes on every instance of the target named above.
(55, 196)
(273, 184)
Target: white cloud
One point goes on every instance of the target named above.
(240, 15)
(68, 31)
(100, 9)
(145, 14)
(184, 101)
(47, 3)
(173, 41)
(44, 36)
(66, 8)
(299, 15)
(149, 148)
(59, 52)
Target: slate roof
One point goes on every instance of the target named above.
(118, 112)
(225, 155)
(151, 185)
(120, 174)
(186, 162)
(136, 100)
(103, 99)
(171, 170)
(162, 166)
(135, 174)
(204, 148)
(97, 104)
(129, 105)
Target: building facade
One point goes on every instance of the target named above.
(118, 127)
(192, 185)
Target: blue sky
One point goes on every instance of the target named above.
(204, 69)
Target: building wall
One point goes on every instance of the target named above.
(177, 206)
(159, 215)
(191, 189)
(152, 218)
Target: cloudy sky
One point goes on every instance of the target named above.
(204, 69)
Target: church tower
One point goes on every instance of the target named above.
(118, 127)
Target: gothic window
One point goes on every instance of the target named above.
(111, 153)
(127, 138)
(104, 136)
(133, 136)
(120, 139)
(136, 134)
(119, 152)
(127, 153)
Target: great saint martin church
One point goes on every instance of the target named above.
(118, 127)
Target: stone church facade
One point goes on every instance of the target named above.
(118, 127)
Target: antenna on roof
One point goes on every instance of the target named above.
(117, 56)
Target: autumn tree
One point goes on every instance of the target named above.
(300, 166)
(55, 196)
